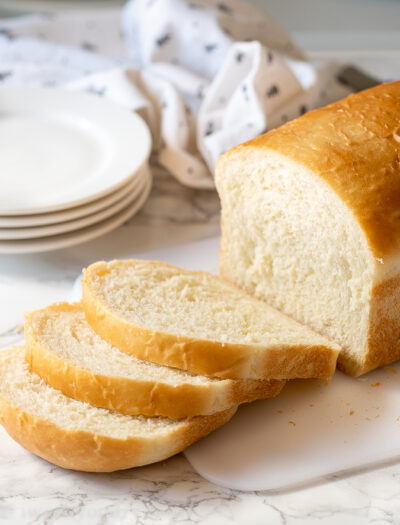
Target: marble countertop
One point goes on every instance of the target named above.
(33, 491)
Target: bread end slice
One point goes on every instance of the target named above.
(78, 436)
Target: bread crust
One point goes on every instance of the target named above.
(354, 146)
(135, 396)
(80, 450)
(223, 360)
(86, 451)
(383, 342)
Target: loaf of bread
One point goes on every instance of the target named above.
(311, 223)
(78, 436)
(68, 355)
(198, 322)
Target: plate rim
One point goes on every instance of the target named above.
(49, 230)
(52, 243)
(85, 210)
(94, 104)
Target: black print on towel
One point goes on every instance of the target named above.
(245, 93)
(239, 56)
(224, 8)
(88, 46)
(4, 75)
(195, 6)
(303, 109)
(209, 48)
(209, 129)
(163, 39)
(97, 90)
(7, 34)
(200, 92)
(272, 91)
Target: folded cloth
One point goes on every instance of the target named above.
(204, 74)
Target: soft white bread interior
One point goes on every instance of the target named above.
(78, 436)
(198, 322)
(62, 349)
(310, 223)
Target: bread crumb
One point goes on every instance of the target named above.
(351, 412)
(391, 369)
(344, 441)
(280, 411)
(310, 405)
(376, 384)
(398, 419)
(292, 423)
(379, 259)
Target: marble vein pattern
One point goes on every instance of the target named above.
(34, 492)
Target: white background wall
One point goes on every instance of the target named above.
(367, 26)
(321, 27)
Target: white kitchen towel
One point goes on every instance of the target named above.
(204, 74)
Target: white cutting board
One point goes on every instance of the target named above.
(308, 432)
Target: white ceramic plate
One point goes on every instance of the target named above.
(65, 240)
(60, 149)
(45, 219)
(77, 224)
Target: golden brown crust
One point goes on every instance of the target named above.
(85, 450)
(224, 360)
(383, 343)
(81, 450)
(135, 396)
(354, 146)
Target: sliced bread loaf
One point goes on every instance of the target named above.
(310, 223)
(198, 322)
(78, 436)
(62, 348)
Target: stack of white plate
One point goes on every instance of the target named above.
(72, 167)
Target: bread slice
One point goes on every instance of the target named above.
(311, 223)
(197, 322)
(78, 436)
(62, 348)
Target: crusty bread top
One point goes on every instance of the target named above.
(354, 146)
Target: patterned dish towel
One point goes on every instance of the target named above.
(204, 74)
